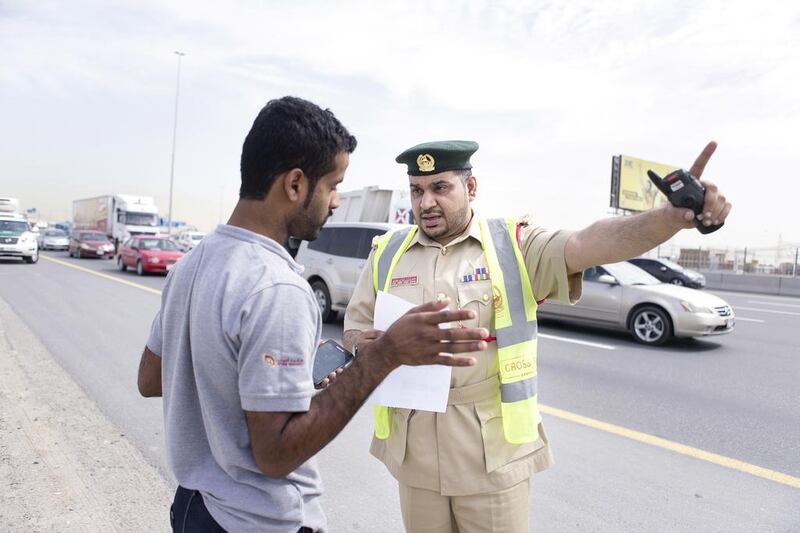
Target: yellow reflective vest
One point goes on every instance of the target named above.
(514, 322)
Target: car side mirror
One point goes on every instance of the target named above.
(663, 269)
(607, 279)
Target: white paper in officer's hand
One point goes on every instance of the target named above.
(411, 387)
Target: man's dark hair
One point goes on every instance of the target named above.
(289, 133)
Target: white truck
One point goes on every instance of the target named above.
(373, 204)
(9, 205)
(119, 216)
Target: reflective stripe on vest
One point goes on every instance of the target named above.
(514, 322)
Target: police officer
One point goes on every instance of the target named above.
(468, 469)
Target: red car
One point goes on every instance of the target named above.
(148, 254)
(90, 244)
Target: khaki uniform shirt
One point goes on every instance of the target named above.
(463, 451)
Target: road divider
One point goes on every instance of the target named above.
(101, 275)
(682, 449)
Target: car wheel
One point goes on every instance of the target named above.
(651, 325)
(139, 268)
(31, 258)
(323, 297)
(677, 281)
(121, 264)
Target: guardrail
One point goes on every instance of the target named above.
(762, 284)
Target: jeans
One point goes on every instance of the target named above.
(188, 514)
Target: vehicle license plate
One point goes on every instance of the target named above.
(4, 249)
(729, 323)
(99, 252)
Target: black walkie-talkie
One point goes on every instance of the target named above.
(684, 190)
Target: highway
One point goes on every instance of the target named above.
(698, 435)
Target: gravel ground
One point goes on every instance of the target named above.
(63, 466)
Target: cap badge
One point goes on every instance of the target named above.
(425, 163)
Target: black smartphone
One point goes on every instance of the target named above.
(330, 355)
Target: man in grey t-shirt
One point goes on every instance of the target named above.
(231, 349)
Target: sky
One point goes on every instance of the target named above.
(550, 90)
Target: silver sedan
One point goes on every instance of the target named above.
(623, 296)
(53, 239)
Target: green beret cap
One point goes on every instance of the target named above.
(440, 156)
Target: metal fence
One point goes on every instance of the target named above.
(782, 260)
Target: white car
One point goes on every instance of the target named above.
(53, 239)
(189, 239)
(17, 239)
(335, 259)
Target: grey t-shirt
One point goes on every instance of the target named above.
(237, 331)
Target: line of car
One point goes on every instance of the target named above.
(144, 254)
(653, 299)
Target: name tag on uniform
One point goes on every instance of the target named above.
(402, 282)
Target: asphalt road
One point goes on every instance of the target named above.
(734, 395)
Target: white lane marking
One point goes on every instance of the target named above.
(772, 303)
(775, 311)
(740, 318)
(576, 341)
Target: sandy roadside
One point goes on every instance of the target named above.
(63, 466)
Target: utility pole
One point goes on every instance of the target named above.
(174, 138)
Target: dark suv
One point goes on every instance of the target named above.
(669, 272)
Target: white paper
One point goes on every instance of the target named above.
(423, 387)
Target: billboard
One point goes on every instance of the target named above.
(631, 189)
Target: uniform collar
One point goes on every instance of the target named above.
(473, 230)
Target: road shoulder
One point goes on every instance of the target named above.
(63, 465)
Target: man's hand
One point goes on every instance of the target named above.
(716, 206)
(367, 336)
(417, 339)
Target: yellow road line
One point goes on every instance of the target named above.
(100, 274)
(676, 447)
(638, 436)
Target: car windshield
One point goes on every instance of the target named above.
(54, 233)
(196, 238)
(17, 226)
(92, 236)
(157, 244)
(141, 219)
(629, 274)
(672, 265)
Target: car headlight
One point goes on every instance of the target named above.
(691, 308)
(85, 246)
(154, 260)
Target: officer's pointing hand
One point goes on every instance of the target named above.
(716, 206)
(417, 339)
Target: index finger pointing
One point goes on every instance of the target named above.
(701, 161)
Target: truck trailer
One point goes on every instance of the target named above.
(373, 204)
(119, 216)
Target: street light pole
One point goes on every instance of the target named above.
(174, 137)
